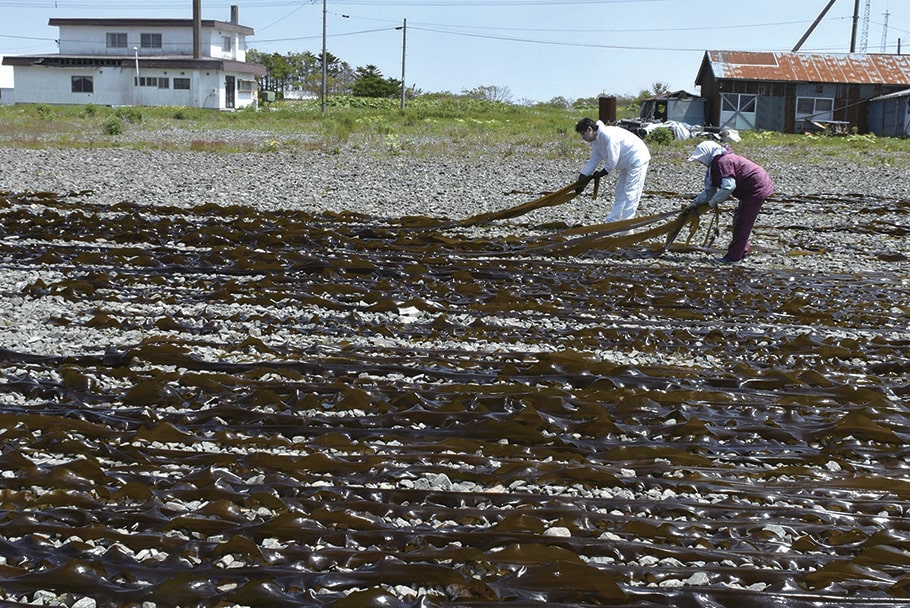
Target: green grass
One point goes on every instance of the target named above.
(429, 125)
(424, 119)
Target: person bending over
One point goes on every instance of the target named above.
(619, 151)
(729, 174)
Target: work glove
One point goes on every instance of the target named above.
(600, 173)
(720, 196)
(727, 186)
(698, 201)
(582, 182)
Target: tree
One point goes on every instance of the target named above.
(370, 83)
(586, 102)
(340, 77)
(660, 87)
(302, 71)
(489, 93)
(279, 70)
(309, 72)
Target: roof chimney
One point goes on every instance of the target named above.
(197, 29)
(235, 15)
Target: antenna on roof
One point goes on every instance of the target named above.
(864, 40)
(885, 33)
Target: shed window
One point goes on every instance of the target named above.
(182, 84)
(82, 84)
(814, 108)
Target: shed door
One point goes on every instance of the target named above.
(229, 91)
(890, 118)
(737, 111)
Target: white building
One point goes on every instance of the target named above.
(144, 62)
(6, 84)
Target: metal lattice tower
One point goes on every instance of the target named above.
(864, 35)
(884, 48)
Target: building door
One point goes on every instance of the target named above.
(737, 111)
(889, 109)
(229, 91)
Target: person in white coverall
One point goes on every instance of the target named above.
(622, 152)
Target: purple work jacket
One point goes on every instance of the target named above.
(751, 179)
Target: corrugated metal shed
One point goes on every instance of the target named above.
(851, 68)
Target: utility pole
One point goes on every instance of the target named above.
(136, 88)
(324, 67)
(855, 25)
(812, 27)
(404, 38)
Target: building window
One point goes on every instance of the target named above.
(228, 44)
(150, 41)
(69, 62)
(182, 84)
(814, 108)
(82, 84)
(116, 40)
(247, 86)
(160, 82)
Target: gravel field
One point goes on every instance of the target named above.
(819, 191)
(258, 380)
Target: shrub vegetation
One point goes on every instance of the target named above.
(429, 124)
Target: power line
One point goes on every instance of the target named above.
(457, 30)
(341, 35)
(555, 43)
(475, 31)
(28, 38)
(699, 28)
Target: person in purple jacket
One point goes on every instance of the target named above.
(728, 175)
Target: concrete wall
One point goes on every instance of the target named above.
(115, 87)
(92, 40)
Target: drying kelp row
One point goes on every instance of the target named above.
(286, 409)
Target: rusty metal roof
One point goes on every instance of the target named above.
(852, 68)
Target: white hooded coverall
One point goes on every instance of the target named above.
(625, 154)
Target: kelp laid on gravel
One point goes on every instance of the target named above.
(222, 405)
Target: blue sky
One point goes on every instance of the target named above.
(534, 49)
